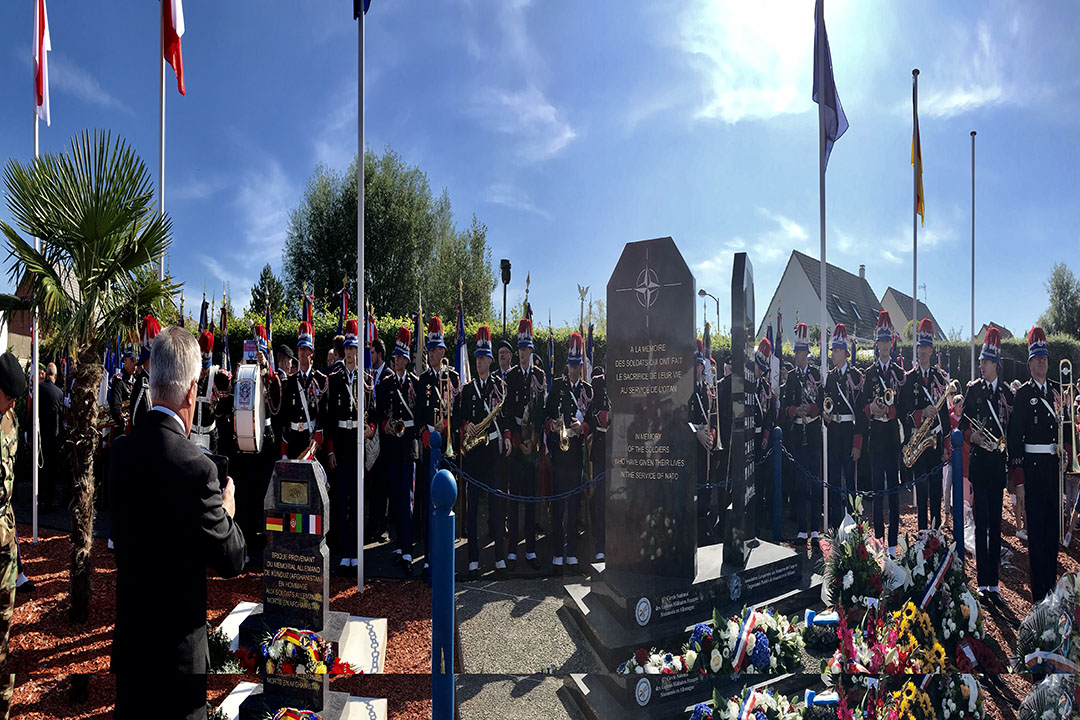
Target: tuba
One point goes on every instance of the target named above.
(923, 438)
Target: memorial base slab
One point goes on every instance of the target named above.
(359, 641)
(235, 705)
(619, 617)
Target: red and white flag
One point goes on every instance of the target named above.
(172, 25)
(42, 45)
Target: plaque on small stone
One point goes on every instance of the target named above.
(296, 564)
(652, 471)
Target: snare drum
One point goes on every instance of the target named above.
(249, 409)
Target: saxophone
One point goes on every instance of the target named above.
(480, 433)
(923, 438)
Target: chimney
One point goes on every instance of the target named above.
(862, 272)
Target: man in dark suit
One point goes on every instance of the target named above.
(171, 521)
(51, 419)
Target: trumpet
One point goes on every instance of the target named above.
(827, 405)
(445, 389)
(397, 427)
(1070, 464)
(991, 442)
(564, 435)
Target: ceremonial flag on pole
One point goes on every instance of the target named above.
(172, 23)
(358, 5)
(370, 333)
(42, 45)
(225, 363)
(836, 123)
(916, 162)
(551, 356)
(461, 353)
(343, 312)
(204, 313)
(589, 354)
(269, 337)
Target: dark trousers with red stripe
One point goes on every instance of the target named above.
(988, 483)
(1043, 509)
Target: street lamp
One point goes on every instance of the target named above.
(504, 265)
(702, 293)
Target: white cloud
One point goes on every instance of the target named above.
(509, 95)
(66, 76)
(263, 201)
(196, 188)
(509, 196)
(336, 140)
(753, 58)
(239, 283)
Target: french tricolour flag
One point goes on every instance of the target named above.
(172, 27)
(42, 45)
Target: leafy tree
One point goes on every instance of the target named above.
(1063, 314)
(956, 334)
(909, 332)
(267, 286)
(94, 276)
(413, 250)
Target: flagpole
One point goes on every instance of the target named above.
(972, 254)
(161, 128)
(34, 360)
(914, 216)
(360, 296)
(820, 62)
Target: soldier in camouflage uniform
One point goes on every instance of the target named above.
(12, 386)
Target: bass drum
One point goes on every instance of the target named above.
(249, 408)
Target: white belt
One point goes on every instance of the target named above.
(195, 429)
(757, 430)
(348, 424)
(493, 435)
(300, 427)
(518, 420)
(266, 422)
(843, 418)
(600, 429)
(1050, 449)
(804, 421)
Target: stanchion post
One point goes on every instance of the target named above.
(778, 471)
(957, 462)
(443, 495)
(434, 463)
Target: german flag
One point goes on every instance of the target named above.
(274, 523)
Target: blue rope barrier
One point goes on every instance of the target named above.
(520, 498)
(862, 493)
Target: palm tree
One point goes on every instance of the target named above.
(93, 210)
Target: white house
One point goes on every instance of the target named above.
(850, 299)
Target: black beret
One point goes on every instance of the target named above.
(287, 351)
(506, 344)
(12, 378)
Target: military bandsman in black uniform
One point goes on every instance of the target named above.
(802, 411)
(842, 387)
(396, 400)
(923, 386)
(989, 402)
(433, 411)
(880, 426)
(766, 412)
(481, 420)
(568, 409)
(526, 385)
(1033, 460)
(302, 400)
(121, 387)
(598, 453)
(213, 383)
(140, 391)
(343, 398)
(376, 486)
(706, 431)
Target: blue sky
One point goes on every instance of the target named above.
(571, 128)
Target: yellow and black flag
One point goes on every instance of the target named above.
(916, 162)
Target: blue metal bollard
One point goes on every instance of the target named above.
(778, 469)
(443, 496)
(957, 462)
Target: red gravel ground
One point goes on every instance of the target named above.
(44, 643)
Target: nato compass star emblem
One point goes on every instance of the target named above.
(647, 288)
